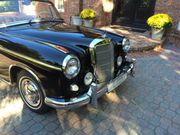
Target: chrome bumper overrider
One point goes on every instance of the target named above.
(90, 97)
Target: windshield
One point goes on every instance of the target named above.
(19, 11)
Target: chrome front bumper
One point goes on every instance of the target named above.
(90, 97)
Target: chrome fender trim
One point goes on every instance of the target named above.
(28, 69)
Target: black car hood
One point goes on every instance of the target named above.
(59, 34)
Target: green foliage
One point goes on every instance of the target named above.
(88, 14)
(160, 21)
(8, 6)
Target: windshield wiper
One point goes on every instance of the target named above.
(31, 22)
(18, 23)
(58, 19)
(34, 21)
(46, 20)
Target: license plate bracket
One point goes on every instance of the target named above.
(116, 82)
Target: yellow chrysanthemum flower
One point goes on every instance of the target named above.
(88, 14)
(160, 21)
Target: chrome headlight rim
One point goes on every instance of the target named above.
(88, 75)
(119, 60)
(126, 44)
(66, 60)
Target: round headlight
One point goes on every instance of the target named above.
(119, 61)
(88, 78)
(71, 66)
(126, 44)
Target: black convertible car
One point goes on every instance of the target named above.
(57, 65)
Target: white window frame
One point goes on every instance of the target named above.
(56, 5)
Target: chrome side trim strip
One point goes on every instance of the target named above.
(30, 59)
(31, 71)
(9, 83)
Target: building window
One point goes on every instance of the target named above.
(59, 5)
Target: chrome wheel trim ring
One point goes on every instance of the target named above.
(30, 92)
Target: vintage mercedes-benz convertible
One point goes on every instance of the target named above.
(55, 65)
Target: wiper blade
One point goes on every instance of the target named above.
(34, 21)
(17, 23)
(46, 20)
(31, 22)
(57, 19)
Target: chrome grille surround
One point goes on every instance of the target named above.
(102, 58)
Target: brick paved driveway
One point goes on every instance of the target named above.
(147, 104)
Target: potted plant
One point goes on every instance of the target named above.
(88, 16)
(76, 20)
(159, 23)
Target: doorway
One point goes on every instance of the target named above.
(133, 13)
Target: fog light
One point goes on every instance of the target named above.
(88, 78)
(74, 87)
(119, 61)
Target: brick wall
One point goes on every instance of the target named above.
(174, 38)
(171, 7)
(103, 18)
(71, 7)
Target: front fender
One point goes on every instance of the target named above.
(45, 56)
(15, 68)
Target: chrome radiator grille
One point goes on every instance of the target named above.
(104, 62)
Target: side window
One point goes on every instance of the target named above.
(9, 6)
(59, 4)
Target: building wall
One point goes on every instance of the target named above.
(103, 17)
(71, 7)
(171, 7)
(104, 9)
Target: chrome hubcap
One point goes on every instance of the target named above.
(30, 92)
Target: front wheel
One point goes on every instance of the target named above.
(31, 93)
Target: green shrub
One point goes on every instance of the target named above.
(9, 6)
